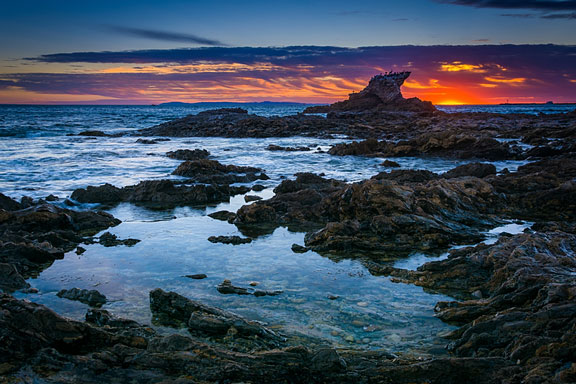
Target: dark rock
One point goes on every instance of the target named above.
(381, 94)
(249, 198)
(10, 279)
(147, 141)
(203, 320)
(390, 164)
(235, 240)
(211, 171)
(8, 204)
(392, 213)
(165, 192)
(480, 170)
(226, 288)
(109, 240)
(198, 276)
(93, 134)
(273, 147)
(258, 187)
(103, 318)
(187, 154)
(223, 216)
(296, 248)
(91, 297)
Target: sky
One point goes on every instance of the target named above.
(149, 52)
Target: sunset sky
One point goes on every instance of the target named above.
(149, 52)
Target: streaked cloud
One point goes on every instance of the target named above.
(164, 35)
(558, 5)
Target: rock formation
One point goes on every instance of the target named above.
(382, 93)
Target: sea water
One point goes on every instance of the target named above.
(38, 158)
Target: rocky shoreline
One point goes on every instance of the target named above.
(514, 300)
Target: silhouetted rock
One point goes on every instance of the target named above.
(382, 94)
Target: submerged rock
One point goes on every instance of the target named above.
(203, 320)
(235, 240)
(91, 297)
(109, 240)
(227, 288)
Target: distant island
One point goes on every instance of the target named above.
(229, 103)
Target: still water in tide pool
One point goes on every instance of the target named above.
(370, 311)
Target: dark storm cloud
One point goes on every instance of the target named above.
(165, 36)
(560, 5)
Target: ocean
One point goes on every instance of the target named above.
(40, 156)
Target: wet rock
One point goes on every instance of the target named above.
(273, 147)
(390, 164)
(163, 192)
(203, 320)
(297, 248)
(198, 276)
(226, 288)
(333, 297)
(32, 238)
(92, 297)
(518, 300)
(8, 204)
(234, 240)
(10, 279)
(188, 154)
(109, 240)
(147, 141)
(211, 171)
(93, 134)
(258, 187)
(103, 318)
(249, 198)
(391, 213)
(223, 216)
(447, 143)
(480, 170)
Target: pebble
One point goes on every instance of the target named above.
(333, 297)
(349, 338)
(253, 283)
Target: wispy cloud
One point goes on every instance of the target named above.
(164, 35)
(558, 5)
